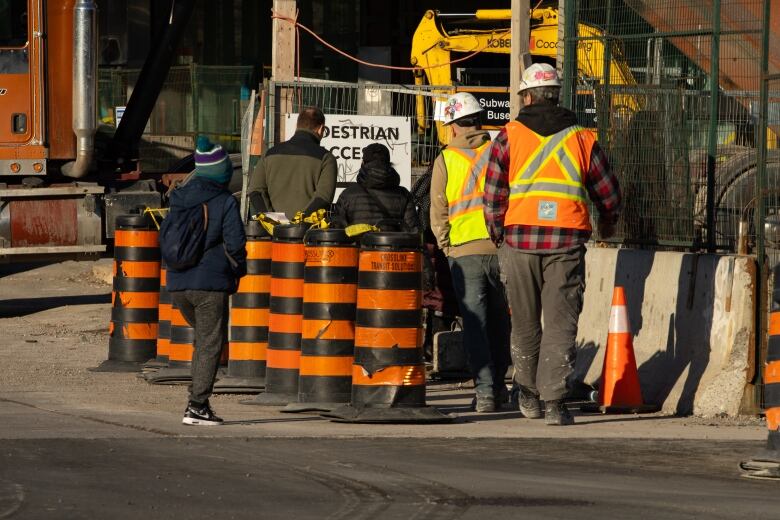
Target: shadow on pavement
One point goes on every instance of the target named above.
(24, 306)
(15, 268)
(624, 418)
(269, 421)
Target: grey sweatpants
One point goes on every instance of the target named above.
(207, 313)
(551, 285)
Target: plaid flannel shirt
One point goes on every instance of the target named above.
(600, 183)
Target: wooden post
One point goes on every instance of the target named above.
(520, 56)
(282, 62)
(283, 42)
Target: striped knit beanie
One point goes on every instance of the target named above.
(211, 161)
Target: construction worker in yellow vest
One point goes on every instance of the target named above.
(457, 222)
(542, 169)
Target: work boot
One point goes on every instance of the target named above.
(483, 404)
(528, 403)
(200, 415)
(556, 414)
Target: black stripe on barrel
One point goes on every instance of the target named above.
(249, 309)
(772, 370)
(135, 297)
(388, 370)
(329, 300)
(286, 308)
(164, 321)
(182, 340)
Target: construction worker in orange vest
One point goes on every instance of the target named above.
(542, 168)
(456, 220)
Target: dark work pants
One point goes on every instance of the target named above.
(551, 285)
(477, 283)
(207, 313)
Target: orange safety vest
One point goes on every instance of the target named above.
(547, 177)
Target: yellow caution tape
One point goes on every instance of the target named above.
(317, 220)
(267, 222)
(151, 211)
(358, 229)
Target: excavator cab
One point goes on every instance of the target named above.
(469, 52)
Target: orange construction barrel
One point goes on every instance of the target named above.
(328, 336)
(180, 348)
(163, 324)
(388, 374)
(249, 318)
(285, 319)
(135, 297)
(766, 464)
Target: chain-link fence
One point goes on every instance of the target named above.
(414, 102)
(677, 97)
(195, 99)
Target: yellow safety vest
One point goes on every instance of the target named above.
(466, 168)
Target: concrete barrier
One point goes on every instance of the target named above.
(692, 317)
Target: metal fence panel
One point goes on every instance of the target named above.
(194, 99)
(363, 99)
(684, 145)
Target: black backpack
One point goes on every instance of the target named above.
(183, 236)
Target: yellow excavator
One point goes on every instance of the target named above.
(439, 35)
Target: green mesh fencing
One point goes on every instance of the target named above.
(684, 145)
(195, 99)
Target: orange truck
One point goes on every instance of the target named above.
(58, 196)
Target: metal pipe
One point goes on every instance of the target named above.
(571, 39)
(604, 122)
(762, 279)
(84, 87)
(712, 144)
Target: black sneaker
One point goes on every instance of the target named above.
(200, 415)
(556, 414)
(528, 403)
(483, 404)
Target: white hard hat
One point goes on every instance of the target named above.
(459, 106)
(539, 75)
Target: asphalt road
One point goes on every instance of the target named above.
(400, 478)
(79, 444)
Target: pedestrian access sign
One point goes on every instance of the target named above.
(345, 137)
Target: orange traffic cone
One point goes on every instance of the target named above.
(620, 391)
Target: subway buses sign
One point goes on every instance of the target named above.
(494, 102)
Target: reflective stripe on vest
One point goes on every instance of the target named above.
(466, 169)
(546, 183)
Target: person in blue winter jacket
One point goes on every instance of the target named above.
(201, 292)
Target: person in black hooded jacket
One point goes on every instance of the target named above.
(377, 198)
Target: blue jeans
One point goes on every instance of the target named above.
(482, 302)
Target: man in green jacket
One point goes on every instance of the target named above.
(296, 175)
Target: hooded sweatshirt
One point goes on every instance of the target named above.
(546, 120)
(224, 235)
(440, 223)
(377, 199)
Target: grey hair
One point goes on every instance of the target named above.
(544, 95)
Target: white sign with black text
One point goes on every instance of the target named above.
(346, 135)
